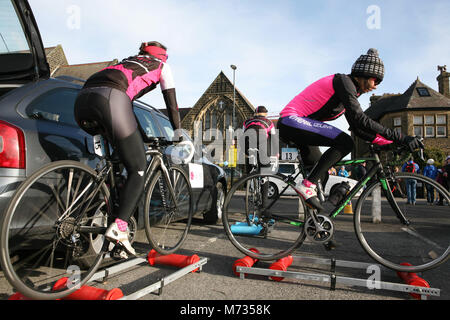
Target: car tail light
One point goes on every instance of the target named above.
(12, 146)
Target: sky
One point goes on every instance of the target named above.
(279, 47)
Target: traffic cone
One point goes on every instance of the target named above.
(348, 209)
(88, 293)
(175, 260)
(247, 261)
(412, 279)
(281, 264)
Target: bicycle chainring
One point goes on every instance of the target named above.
(319, 232)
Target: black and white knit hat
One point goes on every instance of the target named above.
(369, 65)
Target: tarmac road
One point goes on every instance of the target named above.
(218, 284)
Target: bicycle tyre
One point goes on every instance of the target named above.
(38, 187)
(167, 230)
(424, 243)
(258, 233)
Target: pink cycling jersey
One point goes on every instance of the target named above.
(331, 97)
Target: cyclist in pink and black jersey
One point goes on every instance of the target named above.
(302, 120)
(106, 98)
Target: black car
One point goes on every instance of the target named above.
(37, 124)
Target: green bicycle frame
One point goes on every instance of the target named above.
(373, 171)
(376, 169)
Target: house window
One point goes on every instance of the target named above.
(429, 132)
(429, 119)
(397, 121)
(418, 131)
(398, 129)
(441, 119)
(417, 120)
(441, 131)
(423, 92)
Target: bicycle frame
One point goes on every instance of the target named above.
(106, 175)
(157, 161)
(377, 169)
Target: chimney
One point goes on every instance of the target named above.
(443, 81)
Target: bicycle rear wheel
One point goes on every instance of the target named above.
(168, 216)
(43, 240)
(424, 243)
(265, 229)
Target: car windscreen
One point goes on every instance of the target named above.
(166, 127)
(147, 122)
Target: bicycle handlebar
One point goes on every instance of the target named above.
(395, 148)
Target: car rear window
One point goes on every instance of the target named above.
(54, 105)
(11, 31)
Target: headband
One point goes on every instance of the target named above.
(157, 52)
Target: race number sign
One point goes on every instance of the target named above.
(289, 154)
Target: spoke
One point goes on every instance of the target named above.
(58, 200)
(69, 187)
(65, 213)
(40, 252)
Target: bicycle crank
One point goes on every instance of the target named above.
(319, 229)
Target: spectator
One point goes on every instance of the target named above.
(430, 171)
(440, 179)
(411, 184)
(332, 171)
(446, 173)
(360, 171)
(343, 173)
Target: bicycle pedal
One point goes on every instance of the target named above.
(119, 253)
(330, 245)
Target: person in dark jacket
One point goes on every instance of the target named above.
(411, 184)
(258, 136)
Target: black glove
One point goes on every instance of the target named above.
(413, 143)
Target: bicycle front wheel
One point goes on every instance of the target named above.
(420, 243)
(263, 224)
(52, 241)
(168, 215)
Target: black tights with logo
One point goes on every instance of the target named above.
(113, 111)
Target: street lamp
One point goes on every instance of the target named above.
(234, 114)
(234, 93)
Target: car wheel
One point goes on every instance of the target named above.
(273, 190)
(215, 213)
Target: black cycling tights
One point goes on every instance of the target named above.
(112, 110)
(308, 135)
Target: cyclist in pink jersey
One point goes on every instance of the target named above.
(106, 98)
(302, 121)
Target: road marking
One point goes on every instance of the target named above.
(416, 234)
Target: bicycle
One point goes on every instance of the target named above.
(273, 231)
(72, 205)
